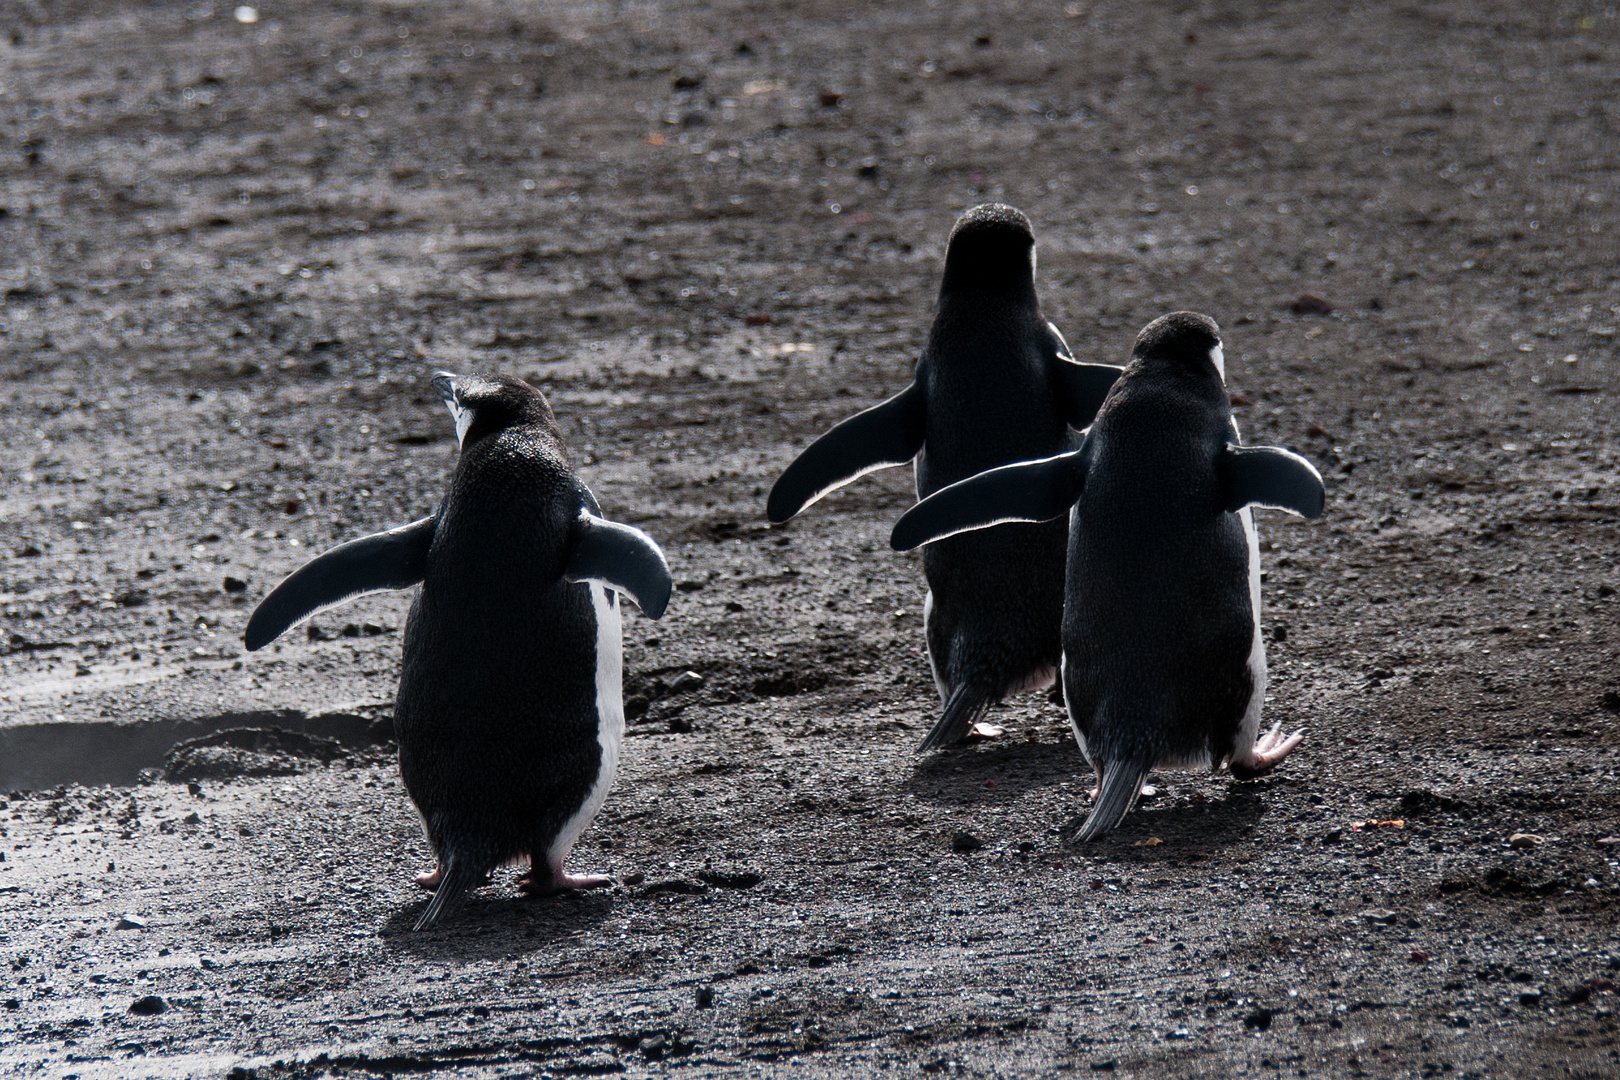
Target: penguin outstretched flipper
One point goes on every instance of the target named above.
(1081, 388)
(1078, 389)
(883, 436)
(622, 558)
(396, 559)
(1272, 477)
(1037, 490)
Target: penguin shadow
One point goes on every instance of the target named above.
(960, 775)
(497, 921)
(1174, 827)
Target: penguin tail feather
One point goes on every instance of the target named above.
(458, 878)
(1121, 784)
(966, 704)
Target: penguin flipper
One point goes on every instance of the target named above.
(1037, 490)
(883, 436)
(396, 559)
(622, 558)
(1081, 388)
(1271, 477)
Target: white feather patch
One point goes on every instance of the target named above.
(1217, 356)
(1249, 729)
(609, 721)
(933, 662)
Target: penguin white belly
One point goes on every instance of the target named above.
(933, 664)
(1074, 725)
(609, 720)
(1249, 729)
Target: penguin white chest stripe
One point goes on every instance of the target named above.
(1250, 728)
(609, 719)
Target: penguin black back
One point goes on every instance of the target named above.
(995, 384)
(509, 712)
(1158, 624)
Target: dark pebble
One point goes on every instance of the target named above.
(150, 1005)
(1309, 303)
(965, 842)
(705, 997)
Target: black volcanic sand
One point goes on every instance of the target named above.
(231, 253)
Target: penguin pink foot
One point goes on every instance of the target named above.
(429, 880)
(1268, 752)
(1148, 791)
(548, 882)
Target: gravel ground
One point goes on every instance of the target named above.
(231, 252)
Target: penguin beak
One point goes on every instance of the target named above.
(444, 383)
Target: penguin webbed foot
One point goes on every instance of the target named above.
(1268, 752)
(546, 882)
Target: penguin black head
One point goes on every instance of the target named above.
(1183, 338)
(991, 247)
(483, 405)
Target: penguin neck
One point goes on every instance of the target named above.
(969, 288)
(1202, 377)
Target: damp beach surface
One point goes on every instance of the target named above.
(233, 249)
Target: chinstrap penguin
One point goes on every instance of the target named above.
(1164, 665)
(995, 384)
(509, 712)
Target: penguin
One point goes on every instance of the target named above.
(996, 383)
(510, 711)
(1164, 665)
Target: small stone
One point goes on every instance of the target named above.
(686, 680)
(1309, 303)
(1419, 956)
(704, 999)
(1530, 997)
(1524, 840)
(150, 1005)
(235, 584)
(1379, 915)
(1151, 841)
(1608, 841)
(131, 922)
(634, 878)
(654, 1047)
(963, 842)
(1258, 1020)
